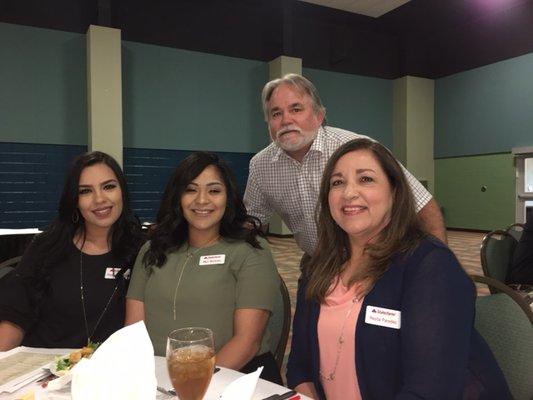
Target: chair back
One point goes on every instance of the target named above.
(506, 323)
(8, 265)
(515, 230)
(279, 323)
(497, 250)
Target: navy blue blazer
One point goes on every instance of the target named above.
(436, 354)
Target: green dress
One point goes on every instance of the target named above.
(209, 292)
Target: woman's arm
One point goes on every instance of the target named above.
(437, 324)
(134, 311)
(11, 335)
(248, 327)
(300, 365)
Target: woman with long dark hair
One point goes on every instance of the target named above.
(205, 266)
(70, 285)
(384, 311)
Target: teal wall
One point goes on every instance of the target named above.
(480, 115)
(357, 103)
(179, 99)
(42, 86)
(485, 110)
(172, 99)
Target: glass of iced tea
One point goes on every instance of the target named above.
(190, 361)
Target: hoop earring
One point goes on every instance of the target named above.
(75, 217)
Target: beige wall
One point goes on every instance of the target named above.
(104, 90)
(413, 126)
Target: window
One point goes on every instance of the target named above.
(524, 182)
(528, 175)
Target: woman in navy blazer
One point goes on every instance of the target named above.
(414, 335)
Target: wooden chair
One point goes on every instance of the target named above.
(497, 250)
(8, 265)
(506, 323)
(279, 323)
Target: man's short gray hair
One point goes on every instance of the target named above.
(299, 82)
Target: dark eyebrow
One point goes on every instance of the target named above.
(209, 184)
(102, 184)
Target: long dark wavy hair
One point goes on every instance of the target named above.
(125, 236)
(401, 235)
(171, 228)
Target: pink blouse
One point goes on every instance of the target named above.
(338, 360)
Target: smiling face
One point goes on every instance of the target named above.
(292, 121)
(99, 197)
(203, 204)
(360, 196)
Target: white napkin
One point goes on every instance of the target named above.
(242, 388)
(122, 368)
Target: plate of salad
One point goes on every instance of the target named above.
(62, 365)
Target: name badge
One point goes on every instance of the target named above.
(383, 317)
(111, 272)
(213, 259)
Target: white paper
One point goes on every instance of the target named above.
(242, 388)
(22, 365)
(122, 368)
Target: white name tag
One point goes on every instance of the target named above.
(212, 259)
(383, 317)
(110, 273)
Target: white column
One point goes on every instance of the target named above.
(104, 90)
(413, 126)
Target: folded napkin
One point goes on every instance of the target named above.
(242, 388)
(122, 368)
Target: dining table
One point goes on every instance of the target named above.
(221, 379)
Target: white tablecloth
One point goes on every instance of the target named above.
(220, 380)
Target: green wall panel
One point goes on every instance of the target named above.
(357, 103)
(458, 191)
(180, 99)
(42, 86)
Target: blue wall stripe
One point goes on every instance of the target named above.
(32, 177)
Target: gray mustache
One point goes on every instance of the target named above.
(288, 129)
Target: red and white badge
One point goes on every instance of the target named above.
(111, 272)
(383, 317)
(213, 259)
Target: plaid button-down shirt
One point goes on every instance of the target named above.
(279, 183)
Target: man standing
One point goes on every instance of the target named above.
(285, 176)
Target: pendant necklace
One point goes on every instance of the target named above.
(82, 295)
(340, 343)
(188, 256)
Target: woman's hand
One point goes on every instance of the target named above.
(307, 389)
(11, 335)
(248, 327)
(134, 311)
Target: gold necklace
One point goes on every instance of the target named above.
(340, 343)
(82, 296)
(188, 256)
